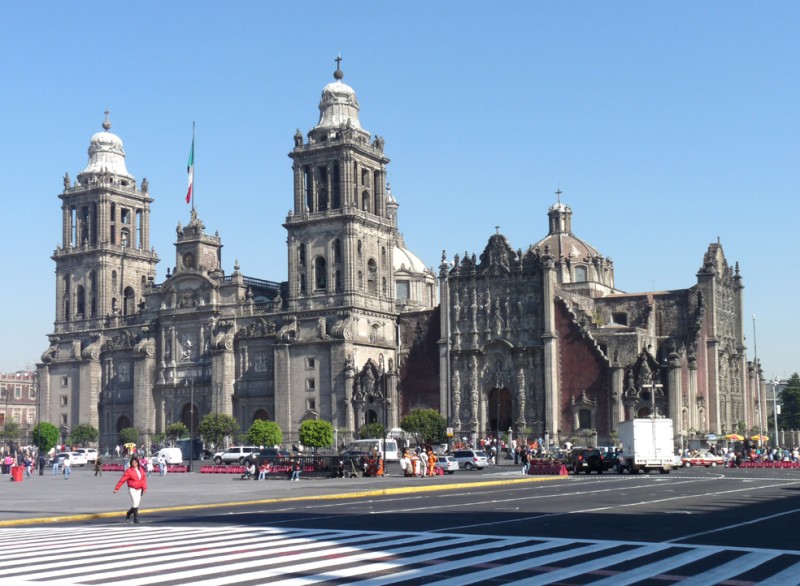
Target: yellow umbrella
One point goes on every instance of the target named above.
(734, 437)
(757, 437)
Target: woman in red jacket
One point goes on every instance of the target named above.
(137, 486)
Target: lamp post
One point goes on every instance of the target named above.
(5, 417)
(758, 386)
(775, 382)
(190, 381)
(382, 372)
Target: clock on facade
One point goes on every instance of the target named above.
(188, 260)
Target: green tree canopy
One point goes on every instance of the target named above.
(790, 404)
(215, 427)
(84, 434)
(426, 426)
(129, 435)
(316, 433)
(45, 436)
(264, 433)
(176, 431)
(371, 431)
(10, 430)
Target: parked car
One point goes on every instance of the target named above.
(706, 459)
(90, 453)
(585, 460)
(236, 455)
(447, 463)
(272, 455)
(76, 458)
(471, 459)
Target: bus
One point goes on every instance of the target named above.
(375, 445)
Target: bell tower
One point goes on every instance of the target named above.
(341, 234)
(104, 261)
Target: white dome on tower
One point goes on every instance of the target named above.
(338, 108)
(106, 154)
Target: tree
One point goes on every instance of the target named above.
(175, 431)
(371, 431)
(264, 433)
(790, 404)
(45, 436)
(129, 435)
(215, 427)
(84, 434)
(316, 433)
(426, 426)
(10, 431)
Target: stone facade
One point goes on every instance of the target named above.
(19, 403)
(130, 352)
(541, 343)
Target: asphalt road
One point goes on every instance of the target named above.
(699, 526)
(732, 507)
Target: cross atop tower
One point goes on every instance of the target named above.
(558, 194)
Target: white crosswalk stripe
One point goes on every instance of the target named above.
(229, 555)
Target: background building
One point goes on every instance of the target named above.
(18, 404)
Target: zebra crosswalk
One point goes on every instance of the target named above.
(147, 555)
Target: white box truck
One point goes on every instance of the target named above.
(647, 444)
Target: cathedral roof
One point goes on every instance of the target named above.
(404, 259)
(560, 240)
(106, 153)
(338, 107)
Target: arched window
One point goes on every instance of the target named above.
(372, 277)
(130, 302)
(322, 189)
(320, 273)
(93, 293)
(301, 255)
(80, 302)
(580, 274)
(337, 251)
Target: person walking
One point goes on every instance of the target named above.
(137, 486)
(98, 466)
(67, 464)
(150, 466)
(41, 463)
(162, 465)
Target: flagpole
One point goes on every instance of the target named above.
(194, 183)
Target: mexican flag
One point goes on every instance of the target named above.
(190, 171)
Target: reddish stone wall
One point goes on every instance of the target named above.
(580, 368)
(419, 362)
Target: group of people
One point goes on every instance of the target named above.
(295, 468)
(419, 462)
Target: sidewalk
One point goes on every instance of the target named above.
(84, 494)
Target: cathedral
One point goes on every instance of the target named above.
(535, 343)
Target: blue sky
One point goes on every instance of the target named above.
(666, 125)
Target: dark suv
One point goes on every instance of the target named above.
(273, 456)
(585, 460)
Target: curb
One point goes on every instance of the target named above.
(321, 497)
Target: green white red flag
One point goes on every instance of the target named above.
(190, 171)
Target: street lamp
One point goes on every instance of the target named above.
(188, 379)
(775, 382)
(382, 372)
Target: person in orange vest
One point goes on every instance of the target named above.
(431, 463)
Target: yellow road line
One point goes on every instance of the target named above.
(289, 499)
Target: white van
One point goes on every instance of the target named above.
(171, 455)
(370, 445)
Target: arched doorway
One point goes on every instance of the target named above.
(371, 416)
(261, 415)
(499, 411)
(189, 419)
(123, 423)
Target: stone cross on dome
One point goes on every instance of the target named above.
(107, 122)
(338, 74)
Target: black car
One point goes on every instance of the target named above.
(273, 456)
(585, 460)
(610, 460)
